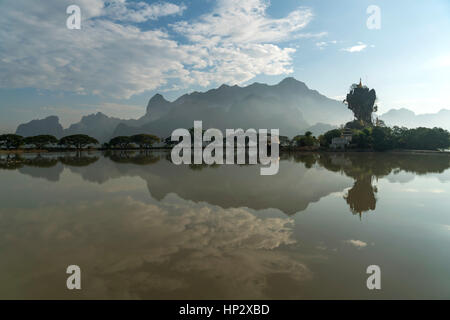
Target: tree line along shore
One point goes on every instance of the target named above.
(365, 138)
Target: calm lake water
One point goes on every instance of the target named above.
(141, 227)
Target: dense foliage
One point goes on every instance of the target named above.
(14, 141)
(421, 138)
(361, 100)
(144, 140)
(121, 141)
(306, 140)
(325, 139)
(40, 141)
(378, 138)
(384, 138)
(77, 140)
(11, 141)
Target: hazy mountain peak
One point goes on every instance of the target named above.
(157, 98)
(99, 116)
(291, 81)
(407, 118)
(52, 118)
(290, 85)
(156, 101)
(401, 110)
(49, 125)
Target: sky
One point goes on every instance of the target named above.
(126, 51)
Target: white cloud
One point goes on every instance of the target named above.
(356, 243)
(357, 48)
(322, 44)
(237, 39)
(437, 191)
(232, 44)
(238, 21)
(141, 11)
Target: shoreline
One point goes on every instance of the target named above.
(282, 150)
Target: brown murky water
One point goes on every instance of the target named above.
(140, 227)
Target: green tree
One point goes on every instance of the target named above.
(121, 141)
(144, 140)
(13, 141)
(363, 139)
(382, 138)
(328, 137)
(425, 138)
(40, 141)
(361, 100)
(77, 140)
(304, 141)
(385, 138)
(399, 134)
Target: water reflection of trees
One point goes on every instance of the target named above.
(242, 187)
(78, 160)
(11, 162)
(142, 157)
(17, 161)
(367, 168)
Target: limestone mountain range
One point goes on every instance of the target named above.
(289, 106)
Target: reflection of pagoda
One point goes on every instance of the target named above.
(361, 197)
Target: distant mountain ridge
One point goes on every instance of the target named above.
(289, 106)
(49, 125)
(407, 118)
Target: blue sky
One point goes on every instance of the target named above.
(126, 51)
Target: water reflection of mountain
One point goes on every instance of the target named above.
(290, 191)
(302, 178)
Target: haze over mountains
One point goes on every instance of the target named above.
(289, 105)
(407, 118)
